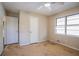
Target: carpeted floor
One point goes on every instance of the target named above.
(39, 49)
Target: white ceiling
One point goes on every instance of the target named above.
(33, 7)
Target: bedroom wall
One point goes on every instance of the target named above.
(24, 28)
(70, 41)
(2, 14)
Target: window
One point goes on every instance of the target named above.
(73, 25)
(68, 25)
(60, 28)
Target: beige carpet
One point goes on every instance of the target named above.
(39, 49)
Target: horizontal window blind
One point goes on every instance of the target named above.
(60, 28)
(73, 25)
(68, 25)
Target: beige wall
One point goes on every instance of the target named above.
(2, 13)
(70, 41)
(24, 27)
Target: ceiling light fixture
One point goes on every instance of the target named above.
(47, 5)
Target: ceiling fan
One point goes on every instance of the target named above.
(49, 5)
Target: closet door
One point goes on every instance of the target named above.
(34, 29)
(12, 30)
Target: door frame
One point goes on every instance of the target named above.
(4, 38)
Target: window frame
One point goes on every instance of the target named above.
(65, 24)
(59, 25)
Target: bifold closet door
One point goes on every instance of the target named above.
(34, 29)
(12, 30)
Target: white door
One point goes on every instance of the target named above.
(12, 30)
(34, 29)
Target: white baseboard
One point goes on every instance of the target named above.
(32, 43)
(23, 44)
(67, 46)
(42, 40)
